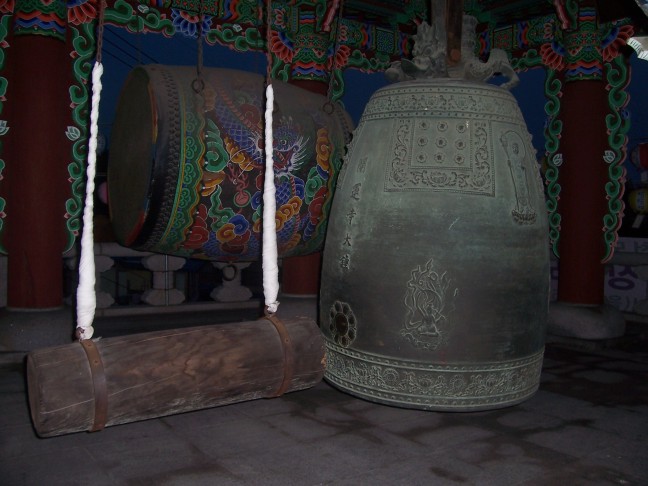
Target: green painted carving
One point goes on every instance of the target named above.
(571, 10)
(5, 22)
(379, 62)
(320, 7)
(233, 36)
(337, 85)
(530, 59)
(196, 6)
(553, 87)
(618, 124)
(140, 19)
(280, 70)
(83, 42)
(536, 30)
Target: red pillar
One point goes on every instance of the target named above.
(301, 275)
(583, 203)
(36, 153)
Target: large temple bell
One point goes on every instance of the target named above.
(436, 265)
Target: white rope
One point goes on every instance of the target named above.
(86, 296)
(269, 255)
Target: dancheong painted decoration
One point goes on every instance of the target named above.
(312, 42)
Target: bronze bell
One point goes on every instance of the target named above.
(435, 281)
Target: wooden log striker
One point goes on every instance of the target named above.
(86, 386)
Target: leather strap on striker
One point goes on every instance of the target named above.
(289, 353)
(99, 384)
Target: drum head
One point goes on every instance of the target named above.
(132, 157)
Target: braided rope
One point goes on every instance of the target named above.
(270, 253)
(86, 295)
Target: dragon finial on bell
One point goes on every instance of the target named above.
(430, 54)
(429, 57)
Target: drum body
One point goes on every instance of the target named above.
(185, 172)
(639, 156)
(435, 282)
(638, 200)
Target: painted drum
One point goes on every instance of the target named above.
(638, 200)
(639, 156)
(435, 280)
(185, 174)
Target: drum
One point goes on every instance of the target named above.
(638, 200)
(185, 172)
(639, 156)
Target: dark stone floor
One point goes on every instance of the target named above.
(587, 425)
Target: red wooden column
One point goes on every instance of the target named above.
(583, 176)
(583, 202)
(310, 70)
(36, 153)
(301, 275)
